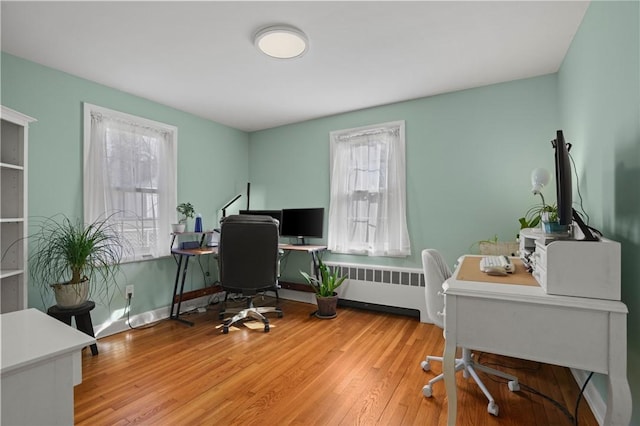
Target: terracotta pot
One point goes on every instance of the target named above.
(71, 295)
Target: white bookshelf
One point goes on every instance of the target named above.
(13, 209)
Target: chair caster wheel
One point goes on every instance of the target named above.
(492, 408)
(266, 328)
(426, 391)
(225, 329)
(425, 365)
(514, 386)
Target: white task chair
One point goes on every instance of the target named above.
(436, 272)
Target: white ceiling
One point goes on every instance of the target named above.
(199, 56)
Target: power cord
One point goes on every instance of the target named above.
(572, 418)
(584, 385)
(128, 309)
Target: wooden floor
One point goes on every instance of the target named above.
(361, 368)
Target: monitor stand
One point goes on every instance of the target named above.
(299, 242)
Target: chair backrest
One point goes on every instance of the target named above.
(436, 272)
(248, 253)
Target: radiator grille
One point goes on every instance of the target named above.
(380, 274)
(389, 287)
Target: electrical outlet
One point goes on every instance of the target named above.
(129, 291)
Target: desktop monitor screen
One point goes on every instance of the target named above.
(276, 214)
(303, 222)
(564, 189)
(563, 180)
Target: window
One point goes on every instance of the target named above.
(130, 176)
(367, 211)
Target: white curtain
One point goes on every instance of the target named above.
(130, 170)
(367, 211)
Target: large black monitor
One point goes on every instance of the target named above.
(276, 214)
(563, 180)
(301, 223)
(564, 188)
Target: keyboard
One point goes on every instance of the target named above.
(492, 263)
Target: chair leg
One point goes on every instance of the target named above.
(253, 312)
(427, 389)
(469, 367)
(513, 383)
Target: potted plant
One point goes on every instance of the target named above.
(76, 260)
(495, 247)
(324, 287)
(534, 216)
(186, 211)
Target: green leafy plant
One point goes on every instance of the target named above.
(328, 282)
(533, 216)
(69, 252)
(187, 211)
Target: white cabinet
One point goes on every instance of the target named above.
(13, 210)
(579, 268)
(40, 363)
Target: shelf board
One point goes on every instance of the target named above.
(6, 273)
(11, 219)
(11, 166)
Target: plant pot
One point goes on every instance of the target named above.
(553, 228)
(177, 228)
(327, 306)
(71, 295)
(498, 247)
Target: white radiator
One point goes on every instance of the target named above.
(384, 286)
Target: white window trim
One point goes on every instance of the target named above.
(336, 235)
(89, 109)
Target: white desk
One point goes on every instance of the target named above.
(41, 362)
(522, 321)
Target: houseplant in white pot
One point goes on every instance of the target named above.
(186, 211)
(76, 260)
(324, 287)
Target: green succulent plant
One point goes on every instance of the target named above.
(327, 283)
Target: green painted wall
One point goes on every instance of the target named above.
(469, 155)
(599, 98)
(469, 158)
(212, 166)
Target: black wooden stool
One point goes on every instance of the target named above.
(83, 318)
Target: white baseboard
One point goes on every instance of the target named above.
(120, 324)
(591, 395)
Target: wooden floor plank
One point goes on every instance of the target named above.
(360, 368)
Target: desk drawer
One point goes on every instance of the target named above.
(552, 334)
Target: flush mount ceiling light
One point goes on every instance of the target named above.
(281, 41)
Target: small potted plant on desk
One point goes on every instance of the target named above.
(324, 287)
(76, 260)
(543, 215)
(186, 211)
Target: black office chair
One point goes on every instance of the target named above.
(248, 257)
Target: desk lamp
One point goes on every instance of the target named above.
(539, 178)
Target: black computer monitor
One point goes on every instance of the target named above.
(563, 180)
(276, 214)
(302, 223)
(564, 188)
